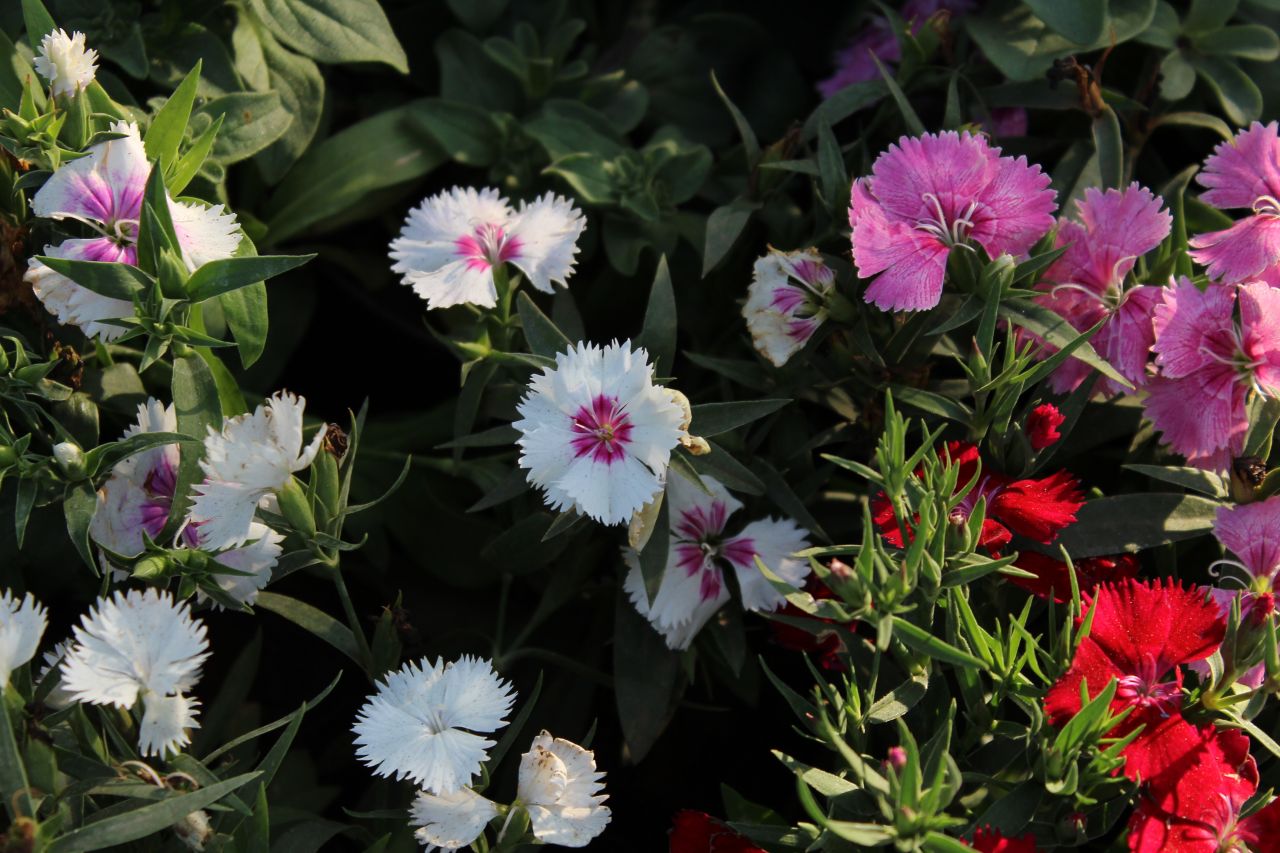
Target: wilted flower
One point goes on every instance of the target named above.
(560, 787)
(451, 242)
(596, 433)
(1242, 174)
(782, 316)
(22, 624)
(927, 195)
(104, 190)
(693, 587)
(254, 455)
(1087, 284)
(1209, 363)
(64, 61)
(422, 722)
(1042, 426)
(1141, 633)
(140, 645)
(449, 822)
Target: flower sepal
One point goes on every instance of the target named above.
(295, 506)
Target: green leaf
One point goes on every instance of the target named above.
(1239, 96)
(1081, 21)
(245, 310)
(653, 558)
(934, 404)
(540, 333)
(916, 638)
(467, 133)
(300, 85)
(250, 122)
(724, 226)
(38, 21)
(1058, 332)
(79, 506)
(170, 124)
(715, 418)
(379, 152)
(312, 620)
(719, 463)
(189, 164)
(646, 677)
(750, 145)
(1264, 414)
(334, 30)
(909, 117)
(1196, 479)
(1110, 147)
(658, 335)
(227, 274)
(831, 169)
(198, 407)
(1135, 522)
(14, 786)
(141, 822)
(118, 281)
(1246, 41)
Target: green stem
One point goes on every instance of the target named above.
(353, 621)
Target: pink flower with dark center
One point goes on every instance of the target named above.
(602, 429)
(1209, 362)
(1089, 283)
(1243, 174)
(930, 194)
(452, 242)
(700, 550)
(785, 302)
(1252, 532)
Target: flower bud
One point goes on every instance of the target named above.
(1042, 426)
(896, 757)
(296, 509)
(151, 568)
(194, 830)
(70, 459)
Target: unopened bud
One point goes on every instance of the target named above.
(896, 758)
(296, 509)
(151, 568)
(70, 459)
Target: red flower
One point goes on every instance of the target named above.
(699, 832)
(990, 840)
(1036, 509)
(1194, 806)
(1042, 425)
(826, 644)
(1051, 576)
(1141, 634)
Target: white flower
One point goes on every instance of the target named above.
(22, 624)
(781, 316)
(140, 645)
(560, 787)
(596, 433)
(253, 456)
(137, 496)
(452, 241)
(422, 722)
(65, 63)
(449, 822)
(693, 587)
(258, 558)
(104, 190)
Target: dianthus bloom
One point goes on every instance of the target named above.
(596, 434)
(1208, 364)
(1194, 806)
(22, 624)
(1252, 532)
(693, 586)
(1037, 509)
(561, 789)
(66, 63)
(699, 832)
(1243, 173)
(451, 243)
(1087, 285)
(1141, 635)
(450, 821)
(927, 195)
(1042, 426)
(988, 840)
(782, 315)
(253, 455)
(140, 645)
(1052, 579)
(104, 190)
(422, 723)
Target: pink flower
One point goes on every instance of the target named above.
(1007, 121)
(929, 194)
(1042, 426)
(1244, 173)
(1087, 284)
(1252, 533)
(854, 64)
(1209, 362)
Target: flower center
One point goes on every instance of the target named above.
(952, 230)
(601, 430)
(487, 246)
(433, 720)
(1266, 205)
(1144, 689)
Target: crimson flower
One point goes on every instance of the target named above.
(1142, 633)
(1052, 580)
(1036, 509)
(988, 840)
(1042, 426)
(699, 832)
(1194, 806)
(826, 644)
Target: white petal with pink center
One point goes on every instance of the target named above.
(693, 586)
(65, 62)
(258, 557)
(449, 822)
(561, 789)
(784, 302)
(596, 433)
(22, 624)
(251, 457)
(451, 242)
(72, 304)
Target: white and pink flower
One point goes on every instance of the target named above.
(596, 433)
(103, 190)
(66, 63)
(452, 242)
(785, 302)
(693, 585)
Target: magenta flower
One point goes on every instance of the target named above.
(930, 194)
(1252, 533)
(1209, 362)
(1244, 173)
(1087, 284)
